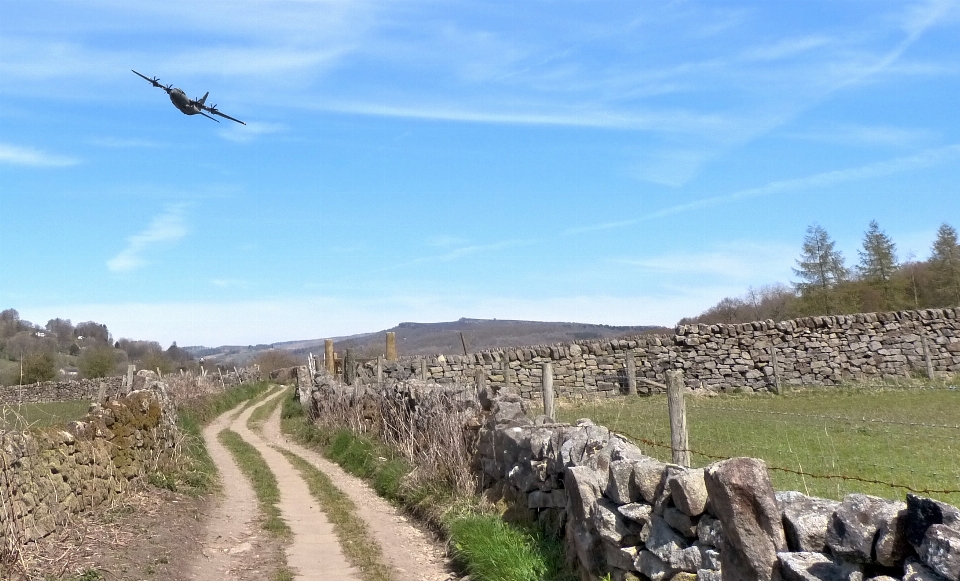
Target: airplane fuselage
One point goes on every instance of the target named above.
(182, 102)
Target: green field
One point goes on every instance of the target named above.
(42, 414)
(907, 437)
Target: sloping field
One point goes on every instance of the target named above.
(825, 442)
(41, 414)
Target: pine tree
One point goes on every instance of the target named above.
(820, 266)
(878, 262)
(945, 263)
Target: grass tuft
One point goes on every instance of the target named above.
(493, 550)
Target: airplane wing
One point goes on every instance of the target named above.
(153, 81)
(216, 112)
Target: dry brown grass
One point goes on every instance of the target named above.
(426, 423)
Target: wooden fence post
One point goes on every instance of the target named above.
(102, 392)
(130, 371)
(481, 378)
(776, 369)
(379, 369)
(391, 346)
(328, 358)
(423, 368)
(926, 353)
(678, 418)
(546, 382)
(506, 369)
(631, 374)
(349, 367)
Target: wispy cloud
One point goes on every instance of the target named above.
(247, 133)
(786, 48)
(166, 227)
(577, 115)
(122, 143)
(924, 159)
(736, 261)
(27, 156)
(230, 282)
(876, 135)
(461, 252)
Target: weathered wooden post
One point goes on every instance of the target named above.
(926, 353)
(349, 368)
(546, 382)
(391, 346)
(678, 418)
(102, 392)
(379, 369)
(481, 378)
(505, 362)
(423, 368)
(328, 358)
(776, 369)
(631, 374)
(131, 369)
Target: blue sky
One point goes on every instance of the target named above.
(604, 162)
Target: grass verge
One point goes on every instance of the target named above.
(264, 482)
(488, 548)
(360, 548)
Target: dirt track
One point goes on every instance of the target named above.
(233, 528)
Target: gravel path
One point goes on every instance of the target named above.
(234, 547)
(413, 555)
(314, 553)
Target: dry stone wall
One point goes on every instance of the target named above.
(48, 391)
(89, 389)
(633, 517)
(808, 351)
(50, 473)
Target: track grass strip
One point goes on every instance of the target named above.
(264, 482)
(359, 546)
(263, 411)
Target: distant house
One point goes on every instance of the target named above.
(69, 373)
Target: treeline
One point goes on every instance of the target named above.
(59, 349)
(826, 285)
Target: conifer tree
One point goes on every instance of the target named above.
(821, 267)
(878, 262)
(945, 264)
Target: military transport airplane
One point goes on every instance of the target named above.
(187, 105)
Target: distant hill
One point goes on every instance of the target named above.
(435, 338)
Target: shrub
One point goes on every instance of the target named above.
(99, 361)
(40, 366)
